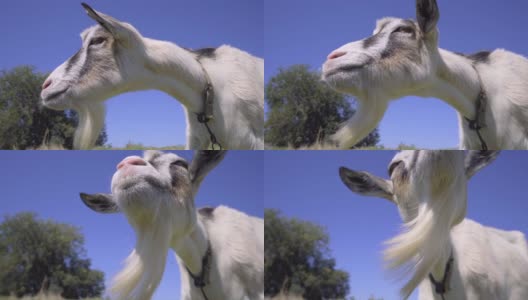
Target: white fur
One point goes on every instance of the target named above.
(239, 269)
(429, 188)
(418, 67)
(157, 197)
(127, 61)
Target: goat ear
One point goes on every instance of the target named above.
(112, 25)
(366, 184)
(102, 203)
(427, 15)
(203, 162)
(476, 160)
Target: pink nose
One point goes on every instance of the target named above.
(336, 54)
(46, 83)
(136, 161)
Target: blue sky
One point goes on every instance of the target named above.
(305, 32)
(306, 185)
(46, 33)
(49, 182)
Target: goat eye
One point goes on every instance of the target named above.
(97, 41)
(404, 29)
(393, 166)
(180, 163)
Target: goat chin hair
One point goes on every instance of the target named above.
(144, 267)
(367, 116)
(91, 122)
(417, 249)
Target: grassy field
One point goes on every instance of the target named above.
(138, 146)
(129, 146)
(41, 297)
(283, 297)
(321, 146)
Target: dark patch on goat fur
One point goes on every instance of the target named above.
(208, 52)
(102, 64)
(73, 60)
(482, 57)
(207, 211)
(397, 47)
(370, 41)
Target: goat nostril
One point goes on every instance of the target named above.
(136, 161)
(46, 84)
(336, 54)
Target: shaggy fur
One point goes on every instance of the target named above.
(115, 58)
(430, 190)
(402, 58)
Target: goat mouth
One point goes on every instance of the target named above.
(54, 95)
(346, 69)
(128, 184)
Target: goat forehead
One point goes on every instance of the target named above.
(405, 156)
(389, 23)
(92, 31)
(150, 155)
(420, 159)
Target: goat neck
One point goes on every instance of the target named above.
(456, 82)
(192, 247)
(175, 71)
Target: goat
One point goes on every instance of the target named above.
(220, 251)
(450, 257)
(488, 89)
(115, 58)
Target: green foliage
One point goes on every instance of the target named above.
(303, 110)
(24, 122)
(41, 256)
(297, 260)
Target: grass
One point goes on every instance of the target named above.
(138, 146)
(40, 297)
(128, 146)
(323, 146)
(283, 296)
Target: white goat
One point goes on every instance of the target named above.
(220, 251)
(450, 257)
(489, 90)
(115, 58)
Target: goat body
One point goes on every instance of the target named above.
(430, 191)
(221, 246)
(115, 58)
(236, 271)
(487, 261)
(402, 58)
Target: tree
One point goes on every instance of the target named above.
(297, 260)
(41, 256)
(303, 110)
(24, 122)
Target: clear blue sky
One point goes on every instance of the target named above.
(49, 182)
(305, 32)
(46, 33)
(306, 185)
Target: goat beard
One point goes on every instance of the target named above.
(144, 267)
(367, 116)
(91, 122)
(423, 240)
